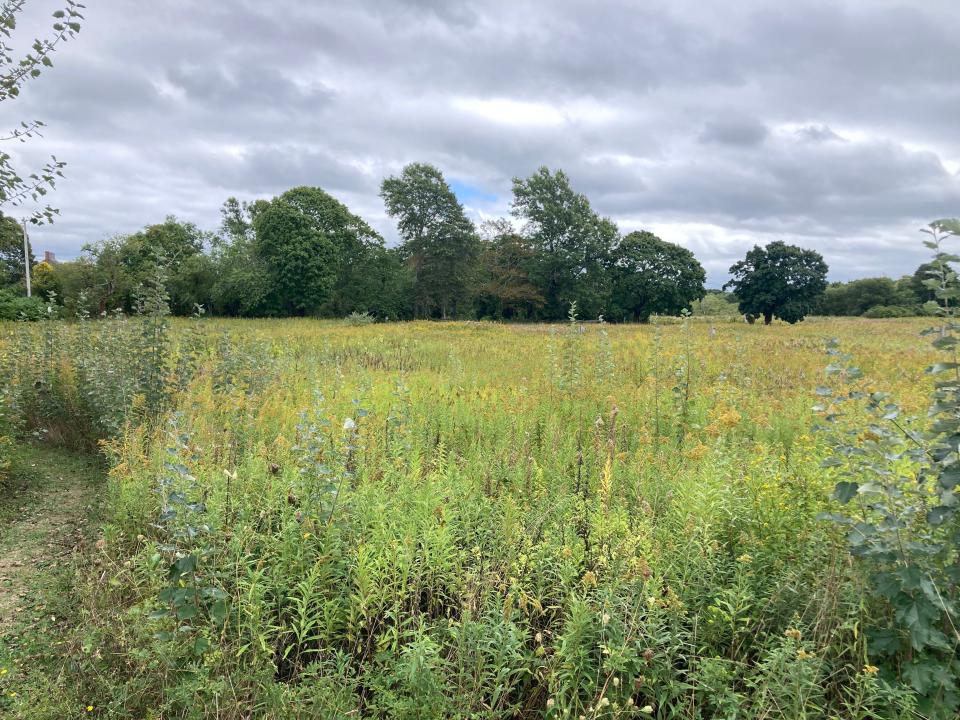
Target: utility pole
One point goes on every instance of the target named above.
(26, 255)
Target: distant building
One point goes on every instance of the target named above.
(49, 257)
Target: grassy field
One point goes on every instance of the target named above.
(463, 520)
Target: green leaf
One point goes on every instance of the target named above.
(218, 611)
(183, 566)
(186, 612)
(937, 515)
(845, 491)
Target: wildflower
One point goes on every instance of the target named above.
(697, 452)
(745, 559)
(589, 578)
(549, 703)
(871, 669)
(647, 709)
(3, 671)
(731, 418)
(604, 701)
(793, 634)
(89, 708)
(306, 535)
(804, 655)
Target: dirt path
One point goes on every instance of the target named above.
(45, 506)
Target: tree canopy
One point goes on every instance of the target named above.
(652, 276)
(572, 241)
(440, 244)
(305, 253)
(778, 280)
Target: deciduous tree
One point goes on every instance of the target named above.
(652, 276)
(572, 243)
(778, 280)
(440, 244)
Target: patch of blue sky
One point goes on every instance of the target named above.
(470, 195)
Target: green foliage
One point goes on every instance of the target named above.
(16, 69)
(241, 283)
(191, 602)
(14, 305)
(299, 256)
(891, 311)
(457, 520)
(572, 243)
(779, 280)
(440, 244)
(901, 476)
(651, 276)
(871, 297)
(305, 253)
(360, 318)
(111, 270)
(505, 289)
(717, 304)
(122, 371)
(11, 252)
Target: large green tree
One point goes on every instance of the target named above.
(314, 248)
(778, 280)
(107, 275)
(439, 243)
(11, 252)
(919, 281)
(651, 276)
(300, 258)
(571, 241)
(241, 283)
(124, 262)
(504, 286)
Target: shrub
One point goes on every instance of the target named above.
(899, 475)
(16, 306)
(891, 311)
(360, 318)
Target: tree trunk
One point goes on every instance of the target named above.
(767, 318)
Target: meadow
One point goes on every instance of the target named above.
(311, 519)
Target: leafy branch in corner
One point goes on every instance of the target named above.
(15, 71)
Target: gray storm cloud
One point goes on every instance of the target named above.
(829, 124)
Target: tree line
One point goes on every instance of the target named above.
(304, 253)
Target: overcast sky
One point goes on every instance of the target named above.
(718, 125)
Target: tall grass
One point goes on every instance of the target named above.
(459, 520)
